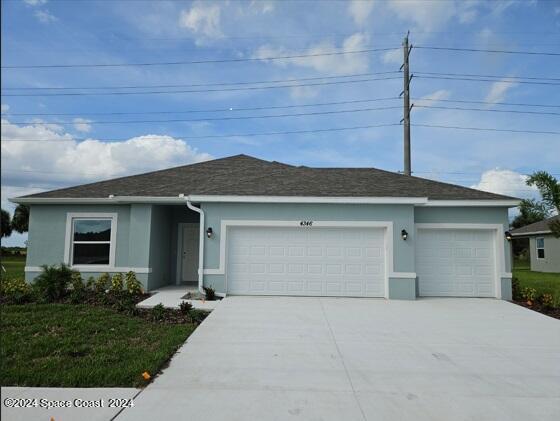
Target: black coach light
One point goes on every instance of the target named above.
(508, 235)
(404, 235)
(209, 232)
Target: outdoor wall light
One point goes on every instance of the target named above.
(404, 235)
(209, 232)
(508, 235)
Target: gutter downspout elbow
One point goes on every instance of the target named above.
(200, 245)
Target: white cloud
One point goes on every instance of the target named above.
(393, 56)
(82, 125)
(35, 2)
(203, 19)
(5, 108)
(498, 91)
(67, 162)
(334, 64)
(432, 15)
(302, 92)
(506, 182)
(44, 16)
(433, 98)
(262, 6)
(360, 10)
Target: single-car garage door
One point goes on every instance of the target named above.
(309, 261)
(456, 262)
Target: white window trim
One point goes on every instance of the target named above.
(387, 225)
(68, 244)
(537, 248)
(499, 247)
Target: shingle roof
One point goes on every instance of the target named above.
(537, 227)
(242, 175)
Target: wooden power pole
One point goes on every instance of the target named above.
(406, 107)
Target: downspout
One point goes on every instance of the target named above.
(200, 246)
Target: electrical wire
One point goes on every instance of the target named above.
(480, 50)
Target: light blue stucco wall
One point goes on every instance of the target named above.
(402, 217)
(159, 247)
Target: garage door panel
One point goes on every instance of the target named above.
(308, 261)
(456, 262)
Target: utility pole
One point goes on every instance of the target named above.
(406, 107)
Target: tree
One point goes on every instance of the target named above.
(20, 220)
(549, 188)
(6, 224)
(530, 211)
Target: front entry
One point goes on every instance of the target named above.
(189, 241)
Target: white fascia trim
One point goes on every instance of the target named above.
(96, 269)
(525, 234)
(310, 199)
(499, 245)
(226, 223)
(404, 275)
(507, 275)
(452, 203)
(98, 200)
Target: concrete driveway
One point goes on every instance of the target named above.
(274, 358)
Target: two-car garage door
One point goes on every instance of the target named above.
(313, 261)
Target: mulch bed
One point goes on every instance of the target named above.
(549, 311)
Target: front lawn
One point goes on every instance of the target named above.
(14, 266)
(543, 282)
(65, 345)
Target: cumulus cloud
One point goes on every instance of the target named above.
(203, 19)
(498, 91)
(433, 98)
(67, 162)
(44, 16)
(334, 64)
(360, 10)
(262, 6)
(393, 56)
(431, 15)
(506, 182)
(82, 125)
(35, 2)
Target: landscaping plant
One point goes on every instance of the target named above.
(158, 313)
(210, 293)
(185, 307)
(78, 291)
(529, 294)
(52, 283)
(102, 283)
(117, 282)
(15, 291)
(133, 286)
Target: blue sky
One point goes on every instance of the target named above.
(39, 32)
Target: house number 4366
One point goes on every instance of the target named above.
(306, 223)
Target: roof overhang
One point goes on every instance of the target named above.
(417, 201)
(528, 234)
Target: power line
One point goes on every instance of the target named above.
(202, 84)
(175, 63)
(488, 76)
(219, 118)
(525, 82)
(487, 110)
(210, 110)
(480, 50)
(485, 129)
(250, 88)
(515, 104)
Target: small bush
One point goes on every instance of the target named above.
(133, 286)
(52, 284)
(185, 307)
(529, 294)
(515, 289)
(103, 282)
(210, 293)
(117, 282)
(547, 300)
(15, 291)
(158, 313)
(90, 283)
(78, 292)
(197, 316)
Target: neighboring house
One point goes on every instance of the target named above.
(247, 226)
(544, 248)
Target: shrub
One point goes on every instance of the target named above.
(158, 313)
(515, 289)
(117, 282)
(123, 302)
(210, 293)
(90, 283)
(102, 283)
(52, 284)
(547, 300)
(133, 286)
(185, 307)
(78, 291)
(15, 291)
(529, 294)
(197, 316)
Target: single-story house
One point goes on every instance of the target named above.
(544, 248)
(243, 225)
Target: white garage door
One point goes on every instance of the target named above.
(456, 262)
(308, 261)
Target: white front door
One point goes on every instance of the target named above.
(189, 252)
(314, 261)
(456, 262)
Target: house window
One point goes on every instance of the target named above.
(540, 248)
(92, 239)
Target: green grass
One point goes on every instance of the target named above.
(63, 345)
(543, 282)
(14, 266)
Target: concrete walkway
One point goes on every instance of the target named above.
(171, 296)
(77, 400)
(361, 359)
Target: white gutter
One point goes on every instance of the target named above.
(310, 199)
(200, 246)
